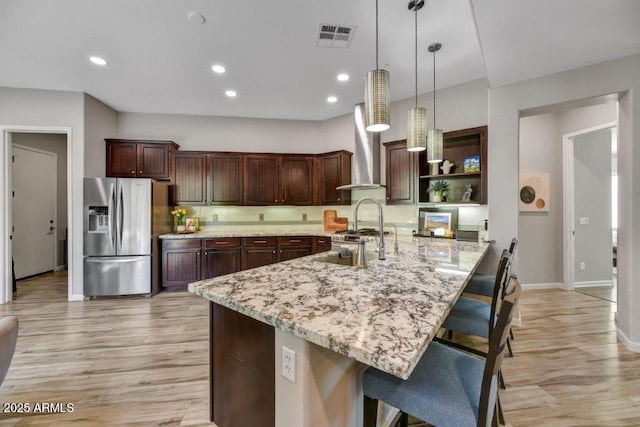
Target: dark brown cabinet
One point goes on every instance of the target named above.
(221, 256)
(459, 146)
(296, 180)
(294, 247)
(138, 158)
(333, 170)
(261, 179)
(189, 178)
(320, 244)
(259, 251)
(202, 178)
(224, 179)
(181, 263)
(400, 173)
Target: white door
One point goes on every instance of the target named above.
(34, 211)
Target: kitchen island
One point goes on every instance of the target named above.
(338, 319)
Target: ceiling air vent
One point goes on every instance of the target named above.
(335, 35)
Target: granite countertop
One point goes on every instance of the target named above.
(383, 316)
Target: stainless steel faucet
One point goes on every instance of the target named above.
(381, 249)
(395, 244)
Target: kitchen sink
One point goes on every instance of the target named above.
(334, 258)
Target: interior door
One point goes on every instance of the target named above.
(34, 211)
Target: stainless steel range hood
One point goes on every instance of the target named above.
(365, 170)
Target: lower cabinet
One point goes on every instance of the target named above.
(181, 263)
(188, 260)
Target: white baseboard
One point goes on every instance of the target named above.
(630, 345)
(76, 298)
(532, 286)
(60, 268)
(593, 283)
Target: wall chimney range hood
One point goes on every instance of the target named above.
(365, 170)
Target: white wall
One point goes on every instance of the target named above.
(54, 143)
(540, 233)
(592, 185)
(226, 133)
(505, 104)
(100, 122)
(30, 108)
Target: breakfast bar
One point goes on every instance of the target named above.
(290, 340)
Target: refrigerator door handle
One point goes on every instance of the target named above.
(100, 260)
(112, 225)
(119, 218)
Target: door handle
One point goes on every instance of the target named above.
(51, 228)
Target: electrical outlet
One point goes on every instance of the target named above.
(304, 217)
(289, 364)
(214, 217)
(261, 217)
(582, 266)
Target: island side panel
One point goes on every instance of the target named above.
(242, 357)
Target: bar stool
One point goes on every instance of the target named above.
(482, 284)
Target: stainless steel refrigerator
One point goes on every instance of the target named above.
(123, 218)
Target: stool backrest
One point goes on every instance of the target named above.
(495, 355)
(498, 286)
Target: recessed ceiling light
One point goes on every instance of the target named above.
(196, 18)
(231, 93)
(343, 77)
(332, 99)
(218, 69)
(97, 60)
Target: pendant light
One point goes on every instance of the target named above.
(417, 118)
(377, 100)
(434, 136)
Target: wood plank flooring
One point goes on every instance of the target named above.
(144, 361)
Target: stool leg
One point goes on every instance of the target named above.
(450, 335)
(404, 420)
(509, 347)
(370, 412)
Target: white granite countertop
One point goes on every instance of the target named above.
(383, 316)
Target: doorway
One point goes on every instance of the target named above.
(590, 159)
(36, 139)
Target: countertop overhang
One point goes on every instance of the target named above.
(384, 316)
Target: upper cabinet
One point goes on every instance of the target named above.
(400, 173)
(296, 180)
(467, 150)
(278, 179)
(201, 178)
(334, 170)
(128, 158)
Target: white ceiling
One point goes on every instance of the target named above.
(159, 62)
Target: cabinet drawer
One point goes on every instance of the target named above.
(255, 242)
(222, 242)
(294, 241)
(181, 243)
(323, 241)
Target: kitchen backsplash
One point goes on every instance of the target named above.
(404, 217)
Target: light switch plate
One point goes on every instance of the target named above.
(289, 364)
(584, 220)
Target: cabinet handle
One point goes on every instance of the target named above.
(295, 241)
(140, 172)
(282, 200)
(259, 241)
(276, 200)
(321, 241)
(274, 252)
(222, 243)
(338, 198)
(133, 172)
(280, 250)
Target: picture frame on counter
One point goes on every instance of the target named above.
(192, 224)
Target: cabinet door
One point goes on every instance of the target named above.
(121, 160)
(296, 180)
(218, 262)
(287, 253)
(401, 175)
(261, 180)
(224, 179)
(257, 257)
(321, 244)
(180, 263)
(189, 171)
(153, 161)
(335, 170)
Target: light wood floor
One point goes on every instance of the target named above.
(145, 360)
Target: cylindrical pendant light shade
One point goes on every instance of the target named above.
(417, 129)
(377, 101)
(434, 145)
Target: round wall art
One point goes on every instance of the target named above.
(534, 192)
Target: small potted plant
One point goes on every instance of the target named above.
(179, 213)
(439, 190)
